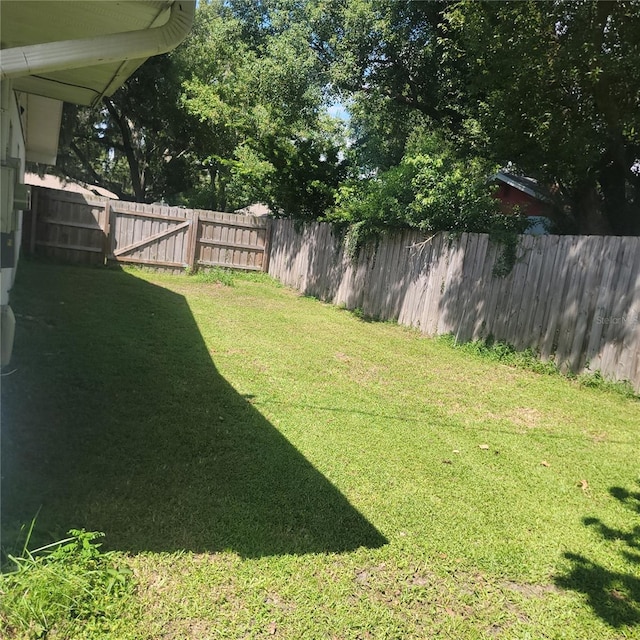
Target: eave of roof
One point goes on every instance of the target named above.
(43, 26)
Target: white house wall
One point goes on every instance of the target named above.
(13, 146)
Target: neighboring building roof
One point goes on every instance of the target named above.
(257, 209)
(529, 186)
(81, 51)
(54, 182)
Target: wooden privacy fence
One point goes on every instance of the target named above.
(93, 230)
(573, 298)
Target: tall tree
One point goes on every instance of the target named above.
(557, 92)
(255, 88)
(549, 87)
(135, 142)
(234, 115)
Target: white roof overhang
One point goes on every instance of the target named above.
(81, 51)
(42, 118)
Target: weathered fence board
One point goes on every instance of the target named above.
(68, 228)
(573, 298)
(76, 228)
(152, 235)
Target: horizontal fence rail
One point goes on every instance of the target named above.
(575, 299)
(83, 229)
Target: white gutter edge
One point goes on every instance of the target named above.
(86, 52)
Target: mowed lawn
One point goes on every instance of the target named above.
(270, 466)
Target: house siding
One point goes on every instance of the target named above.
(510, 198)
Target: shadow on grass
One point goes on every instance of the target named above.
(614, 596)
(117, 420)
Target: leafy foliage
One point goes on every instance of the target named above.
(237, 114)
(257, 98)
(551, 86)
(544, 87)
(431, 189)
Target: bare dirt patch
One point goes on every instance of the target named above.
(531, 590)
(527, 417)
(196, 629)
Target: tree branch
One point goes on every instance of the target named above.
(127, 139)
(95, 176)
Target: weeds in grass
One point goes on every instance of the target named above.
(530, 360)
(229, 277)
(359, 314)
(68, 589)
(216, 275)
(366, 317)
(259, 277)
(504, 353)
(595, 380)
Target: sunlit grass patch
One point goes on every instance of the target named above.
(270, 466)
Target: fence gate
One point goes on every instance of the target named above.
(231, 240)
(78, 228)
(150, 234)
(67, 226)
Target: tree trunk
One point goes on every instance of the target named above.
(587, 210)
(613, 184)
(95, 177)
(127, 141)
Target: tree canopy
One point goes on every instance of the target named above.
(231, 117)
(556, 90)
(440, 95)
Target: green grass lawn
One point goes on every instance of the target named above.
(269, 466)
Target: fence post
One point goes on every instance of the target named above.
(266, 251)
(106, 229)
(35, 197)
(193, 240)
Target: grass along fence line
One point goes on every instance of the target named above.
(575, 299)
(267, 465)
